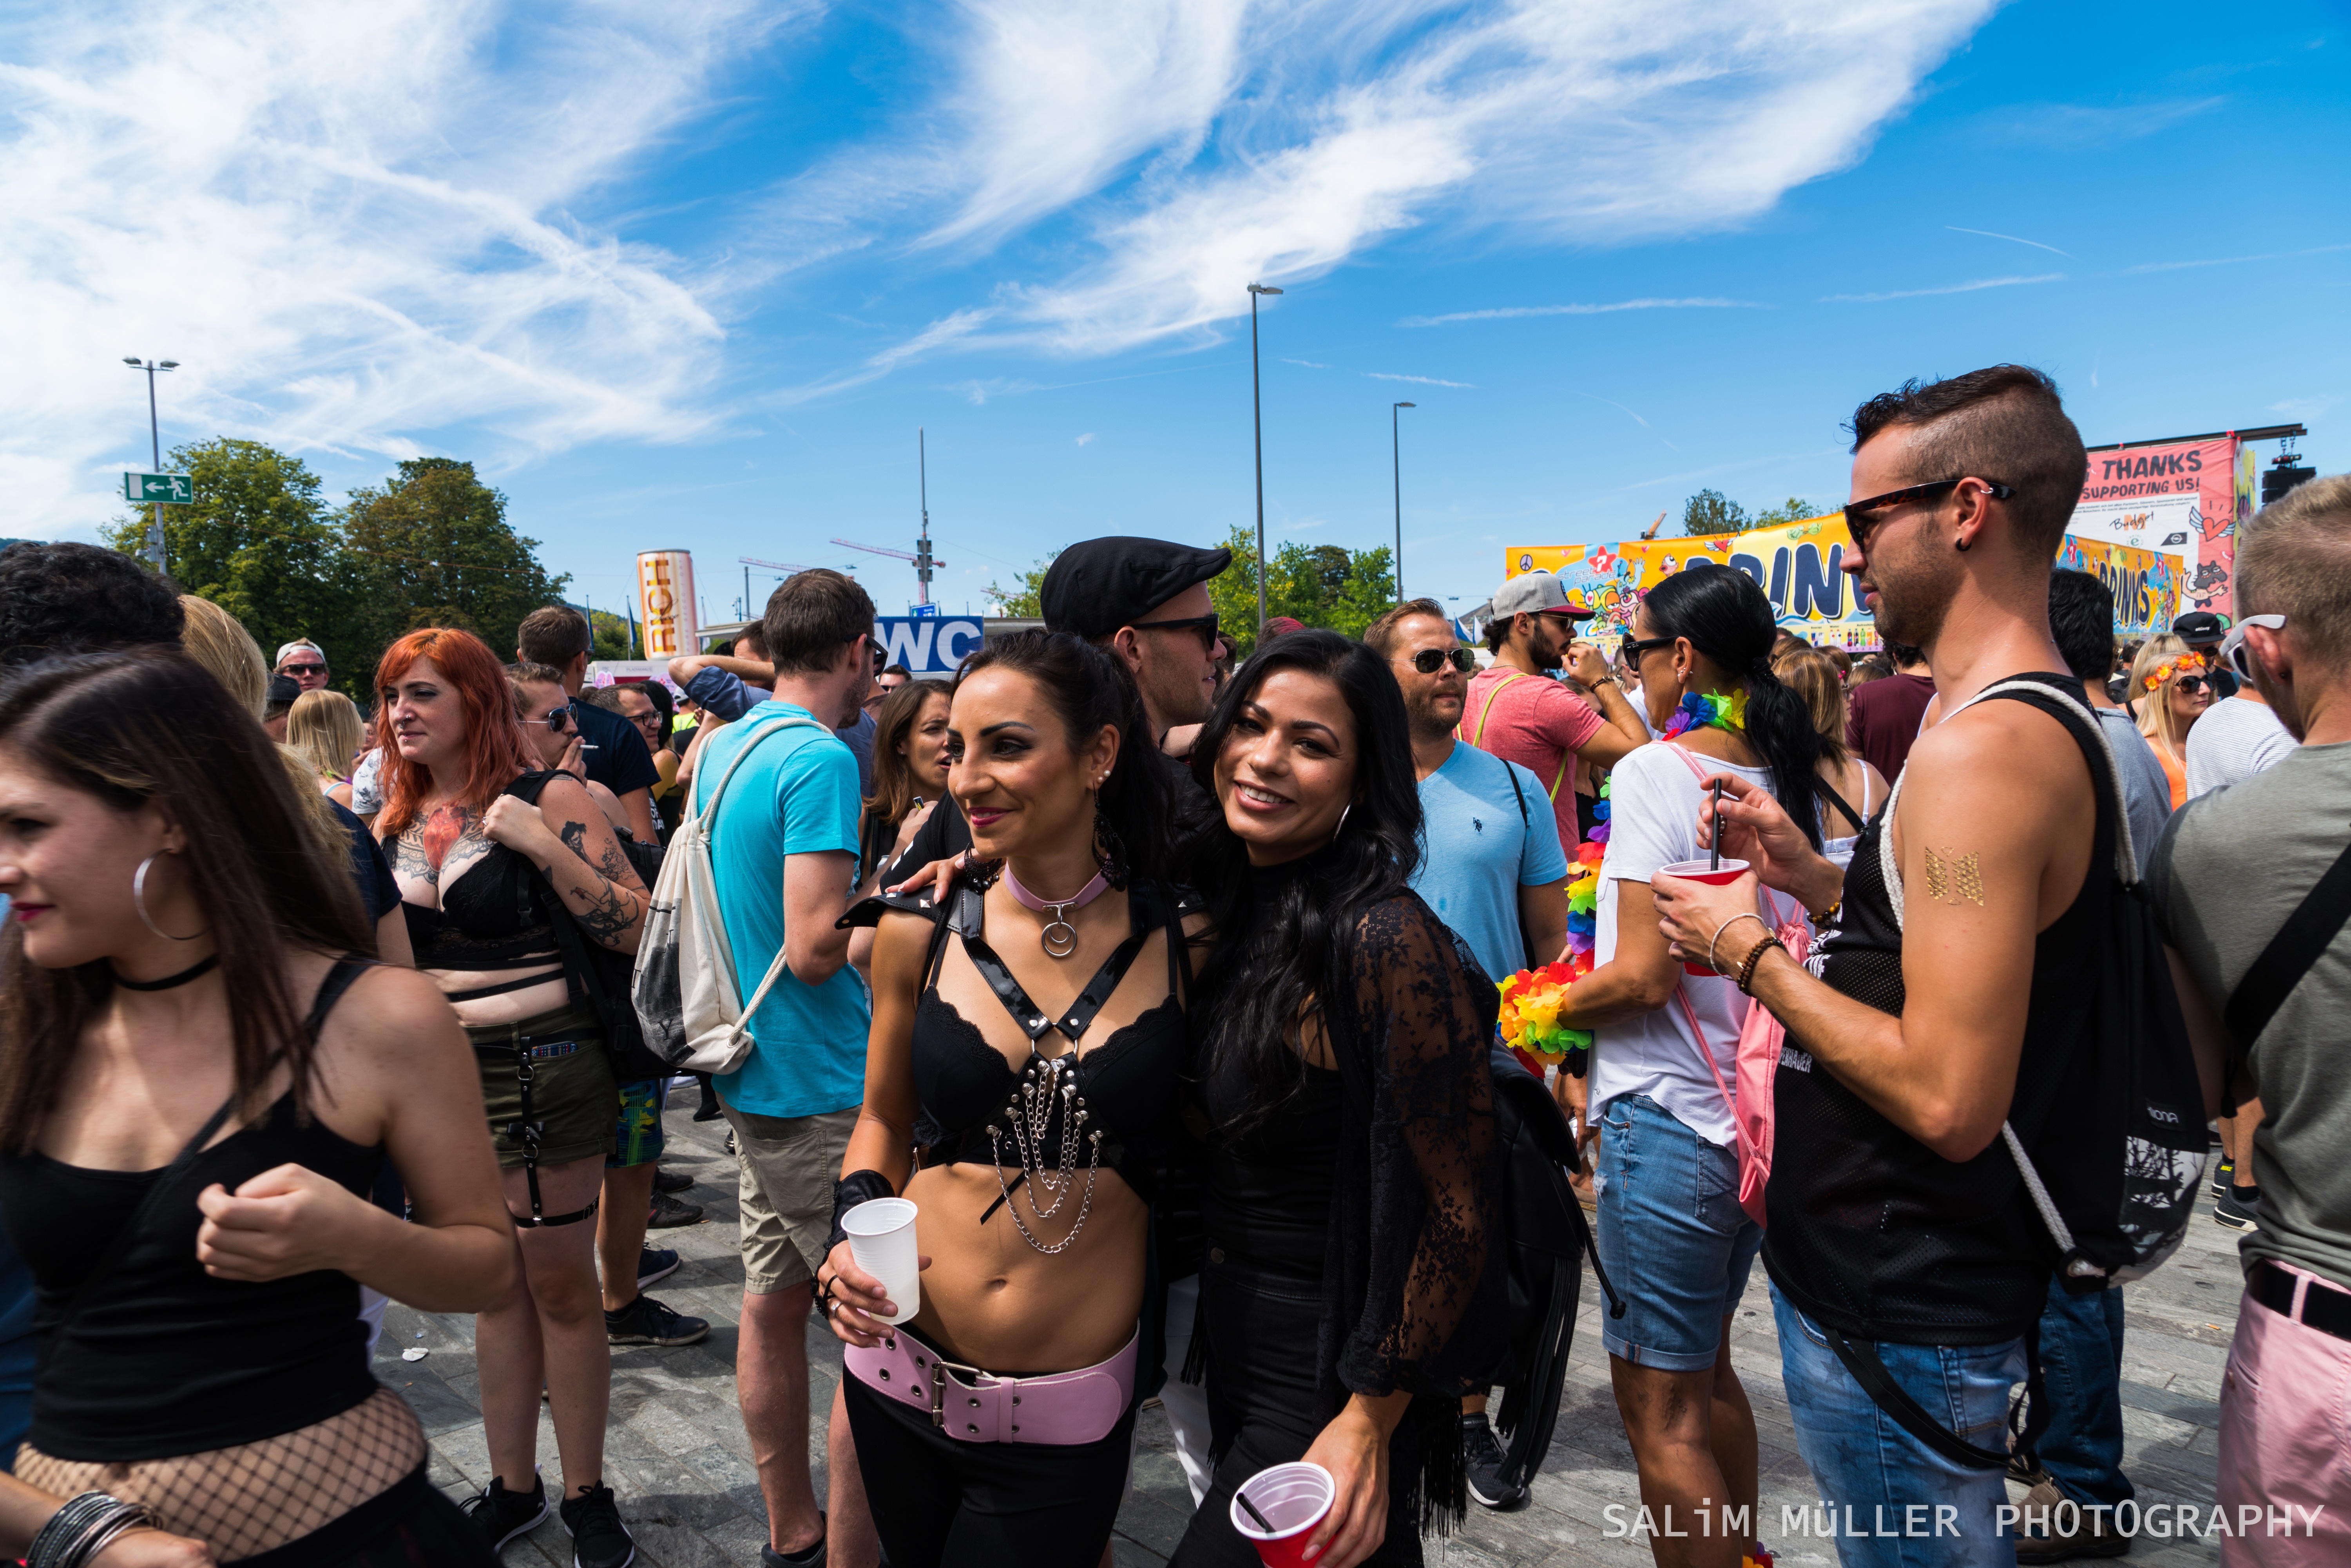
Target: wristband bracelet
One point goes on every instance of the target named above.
(1577, 1062)
(1755, 957)
(856, 1187)
(81, 1529)
(1726, 925)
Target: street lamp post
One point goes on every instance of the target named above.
(155, 442)
(1395, 459)
(1257, 422)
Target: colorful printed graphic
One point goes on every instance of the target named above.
(2147, 583)
(2200, 488)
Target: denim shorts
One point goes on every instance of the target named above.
(1674, 1242)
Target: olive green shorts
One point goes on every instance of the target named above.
(572, 1096)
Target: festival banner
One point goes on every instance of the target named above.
(2146, 583)
(1611, 578)
(1800, 566)
(2183, 500)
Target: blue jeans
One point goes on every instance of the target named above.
(2081, 1360)
(1892, 1501)
(1671, 1236)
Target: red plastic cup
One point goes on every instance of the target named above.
(1723, 876)
(1293, 1498)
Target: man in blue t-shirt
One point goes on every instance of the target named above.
(788, 821)
(1490, 866)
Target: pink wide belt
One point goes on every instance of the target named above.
(1059, 1407)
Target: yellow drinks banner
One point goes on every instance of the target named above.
(2147, 583)
(1611, 578)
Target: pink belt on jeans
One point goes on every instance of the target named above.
(1058, 1407)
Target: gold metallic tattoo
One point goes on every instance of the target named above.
(1953, 877)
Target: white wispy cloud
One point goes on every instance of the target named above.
(2089, 126)
(2232, 260)
(1966, 288)
(1308, 364)
(352, 225)
(2011, 239)
(1086, 439)
(1419, 380)
(1510, 313)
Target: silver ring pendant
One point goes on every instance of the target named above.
(1062, 945)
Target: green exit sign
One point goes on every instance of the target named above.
(176, 489)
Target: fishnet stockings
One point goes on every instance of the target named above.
(247, 1500)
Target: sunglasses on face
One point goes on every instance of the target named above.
(1632, 649)
(2191, 684)
(1428, 661)
(1205, 625)
(1860, 516)
(557, 719)
(303, 670)
(2234, 652)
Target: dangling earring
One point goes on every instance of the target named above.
(1113, 851)
(1343, 821)
(138, 902)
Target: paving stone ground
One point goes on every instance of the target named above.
(678, 1458)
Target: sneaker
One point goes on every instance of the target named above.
(501, 1515)
(730, 1143)
(2224, 1177)
(668, 1213)
(655, 1263)
(598, 1539)
(671, 1181)
(2239, 1209)
(1485, 1459)
(646, 1321)
(2091, 1535)
(810, 1556)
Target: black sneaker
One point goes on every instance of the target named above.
(2224, 1177)
(1484, 1457)
(668, 1213)
(501, 1515)
(656, 1263)
(810, 1556)
(646, 1321)
(671, 1181)
(2239, 1209)
(598, 1539)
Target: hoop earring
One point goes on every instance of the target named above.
(138, 902)
(1343, 821)
(1959, 545)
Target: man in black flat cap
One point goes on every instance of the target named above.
(1146, 602)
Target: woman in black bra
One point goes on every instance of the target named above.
(505, 874)
(184, 1156)
(1029, 1036)
(1355, 1289)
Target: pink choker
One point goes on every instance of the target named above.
(1060, 939)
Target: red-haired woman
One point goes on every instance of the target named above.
(491, 855)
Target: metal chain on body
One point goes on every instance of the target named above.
(1031, 1112)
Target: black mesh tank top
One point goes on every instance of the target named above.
(1872, 1234)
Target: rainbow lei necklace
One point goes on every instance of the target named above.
(1710, 709)
(1533, 998)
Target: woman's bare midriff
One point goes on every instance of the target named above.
(991, 1301)
(507, 1007)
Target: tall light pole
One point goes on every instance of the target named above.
(1257, 422)
(1395, 457)
(155, 441)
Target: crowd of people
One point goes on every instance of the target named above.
(1165, 987)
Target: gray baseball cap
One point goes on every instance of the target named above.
(1536, 594)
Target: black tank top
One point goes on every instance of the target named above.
(161, 1359)
(1872, 1233)
(493, 917)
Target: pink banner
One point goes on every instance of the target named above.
(2180, 500)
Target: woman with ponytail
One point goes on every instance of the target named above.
(1664, 1062)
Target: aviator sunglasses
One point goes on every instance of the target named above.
(1428, 661)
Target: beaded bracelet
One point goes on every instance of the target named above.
(1747, 970)
(82, 1529)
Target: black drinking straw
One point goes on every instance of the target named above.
(1714, 847)
(1262, 1522)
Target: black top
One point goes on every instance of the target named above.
(492, 917)
(379, 891)
(620, 761)
(1872, 1233)
(1268, 1198)
(163, 1359)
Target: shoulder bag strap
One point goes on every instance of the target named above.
(2307, 932)
(1486, 712)
(1858, 819)
(1861, 1359)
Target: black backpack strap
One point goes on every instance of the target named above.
(1861, 1359)
(2307, 932)
(1829, 790)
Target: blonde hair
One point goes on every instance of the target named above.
(217, 640)
(2156, 720)
(324, 727)
(2293, 557)
(1812, 675)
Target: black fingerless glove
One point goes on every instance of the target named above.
(856, 1187)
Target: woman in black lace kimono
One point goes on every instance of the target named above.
(1355, 1291)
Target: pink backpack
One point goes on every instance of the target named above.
(1751, 1113)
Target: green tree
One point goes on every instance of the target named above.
(1026, 602)
(432, 547)
(1709, 513)
(1324, 585)
(260, 542)
(1795, 510)
(609, 634)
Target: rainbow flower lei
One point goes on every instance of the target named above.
(1699, 711)
(1532, 999)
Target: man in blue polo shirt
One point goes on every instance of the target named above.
(788, 819)
(1490, 866)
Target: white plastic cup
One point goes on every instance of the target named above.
(1293, 1498)
(881, 1239)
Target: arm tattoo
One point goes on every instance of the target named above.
(607, 916)
(1954, 878)
(575, 839)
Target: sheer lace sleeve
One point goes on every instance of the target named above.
(1433, 1295)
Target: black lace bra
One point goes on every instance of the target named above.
(492, 917)
(1126, 1090)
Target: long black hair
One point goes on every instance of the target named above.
(1277, 957)
(1724, 614)
(1087, 688)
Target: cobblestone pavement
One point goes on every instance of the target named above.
(678, 1458)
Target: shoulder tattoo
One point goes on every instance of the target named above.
(1953, 877)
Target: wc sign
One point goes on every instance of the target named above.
(930, 644)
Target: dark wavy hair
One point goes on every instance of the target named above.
(151, 724)
(1274, 962)
(1087, 688)
(1724, 614)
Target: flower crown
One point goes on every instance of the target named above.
(2181, 664)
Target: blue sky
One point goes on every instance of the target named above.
(692, 276)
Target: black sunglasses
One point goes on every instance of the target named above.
(2191, 684)
(1428, 661)
(1632, 649)
(1205, 625)
(1857, 520)
(303, 670)
(555, 718)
